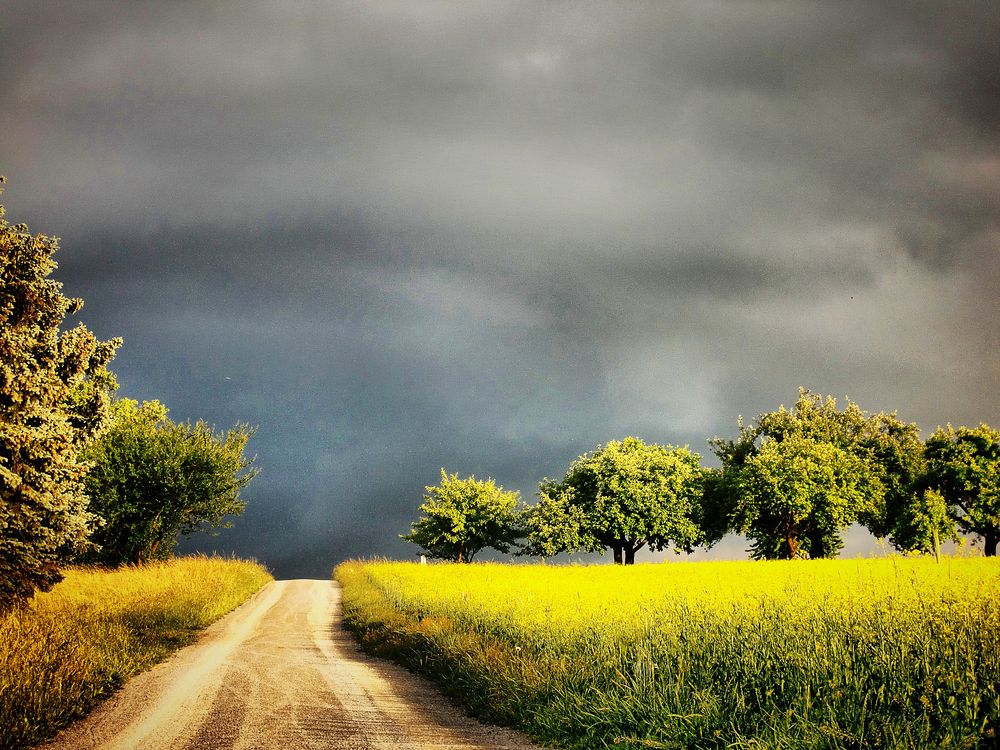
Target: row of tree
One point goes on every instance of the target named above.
(85, 476)
(792, 482)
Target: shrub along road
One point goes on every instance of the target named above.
(280, 672)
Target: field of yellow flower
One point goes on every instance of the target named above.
(881, 653)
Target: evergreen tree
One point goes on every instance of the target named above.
(53, 400)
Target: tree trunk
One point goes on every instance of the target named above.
(990, 540)
(937, 545)
(154, 546)
(793, 546)
(617, 549)
(630, 550)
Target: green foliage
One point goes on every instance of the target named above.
(796, 495)
(464, 516)
(154, 479)
(623, 496)
(556, 524)
(964, 466)
(884, 458)
(894, 453)
(715, 512)
(53, 399)
(923, 523)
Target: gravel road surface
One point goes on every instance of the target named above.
(280, 673)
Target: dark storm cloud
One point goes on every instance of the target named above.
(489, 236)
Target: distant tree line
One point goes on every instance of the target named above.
(86, 476)
(792, 482)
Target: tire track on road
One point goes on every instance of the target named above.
(280, 673)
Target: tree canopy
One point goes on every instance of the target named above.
(154, 480)
(623, 496)
(963, 465)
(924, 523)
(796, 495)
(878, 455)
(556, 524)
(47, 414)
(461, 517)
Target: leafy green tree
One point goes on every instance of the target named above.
(154, 480)
(716, 508)
(797, 495)
(464, 516)
(556, 524)
(924, 523)
(894, 454)
(964, 466)
(889, 450)
(623, 496)
(46, 415)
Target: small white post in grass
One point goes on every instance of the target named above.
(423, 559)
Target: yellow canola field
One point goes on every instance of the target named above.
(890, 652)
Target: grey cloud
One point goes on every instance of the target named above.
(488, 236)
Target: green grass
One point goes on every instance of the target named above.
(71, 647)
(835, 655)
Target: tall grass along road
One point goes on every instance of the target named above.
(280, 673)
(69, 648)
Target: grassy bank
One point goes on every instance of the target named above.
(890, 653)
(71, 647)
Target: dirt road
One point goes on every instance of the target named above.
(279, 673)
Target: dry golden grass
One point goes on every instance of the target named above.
(69, 648)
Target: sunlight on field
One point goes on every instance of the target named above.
(897, 652)
(72, 646)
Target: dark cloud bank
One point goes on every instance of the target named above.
(491, 236)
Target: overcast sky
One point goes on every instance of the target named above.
(490, 236)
